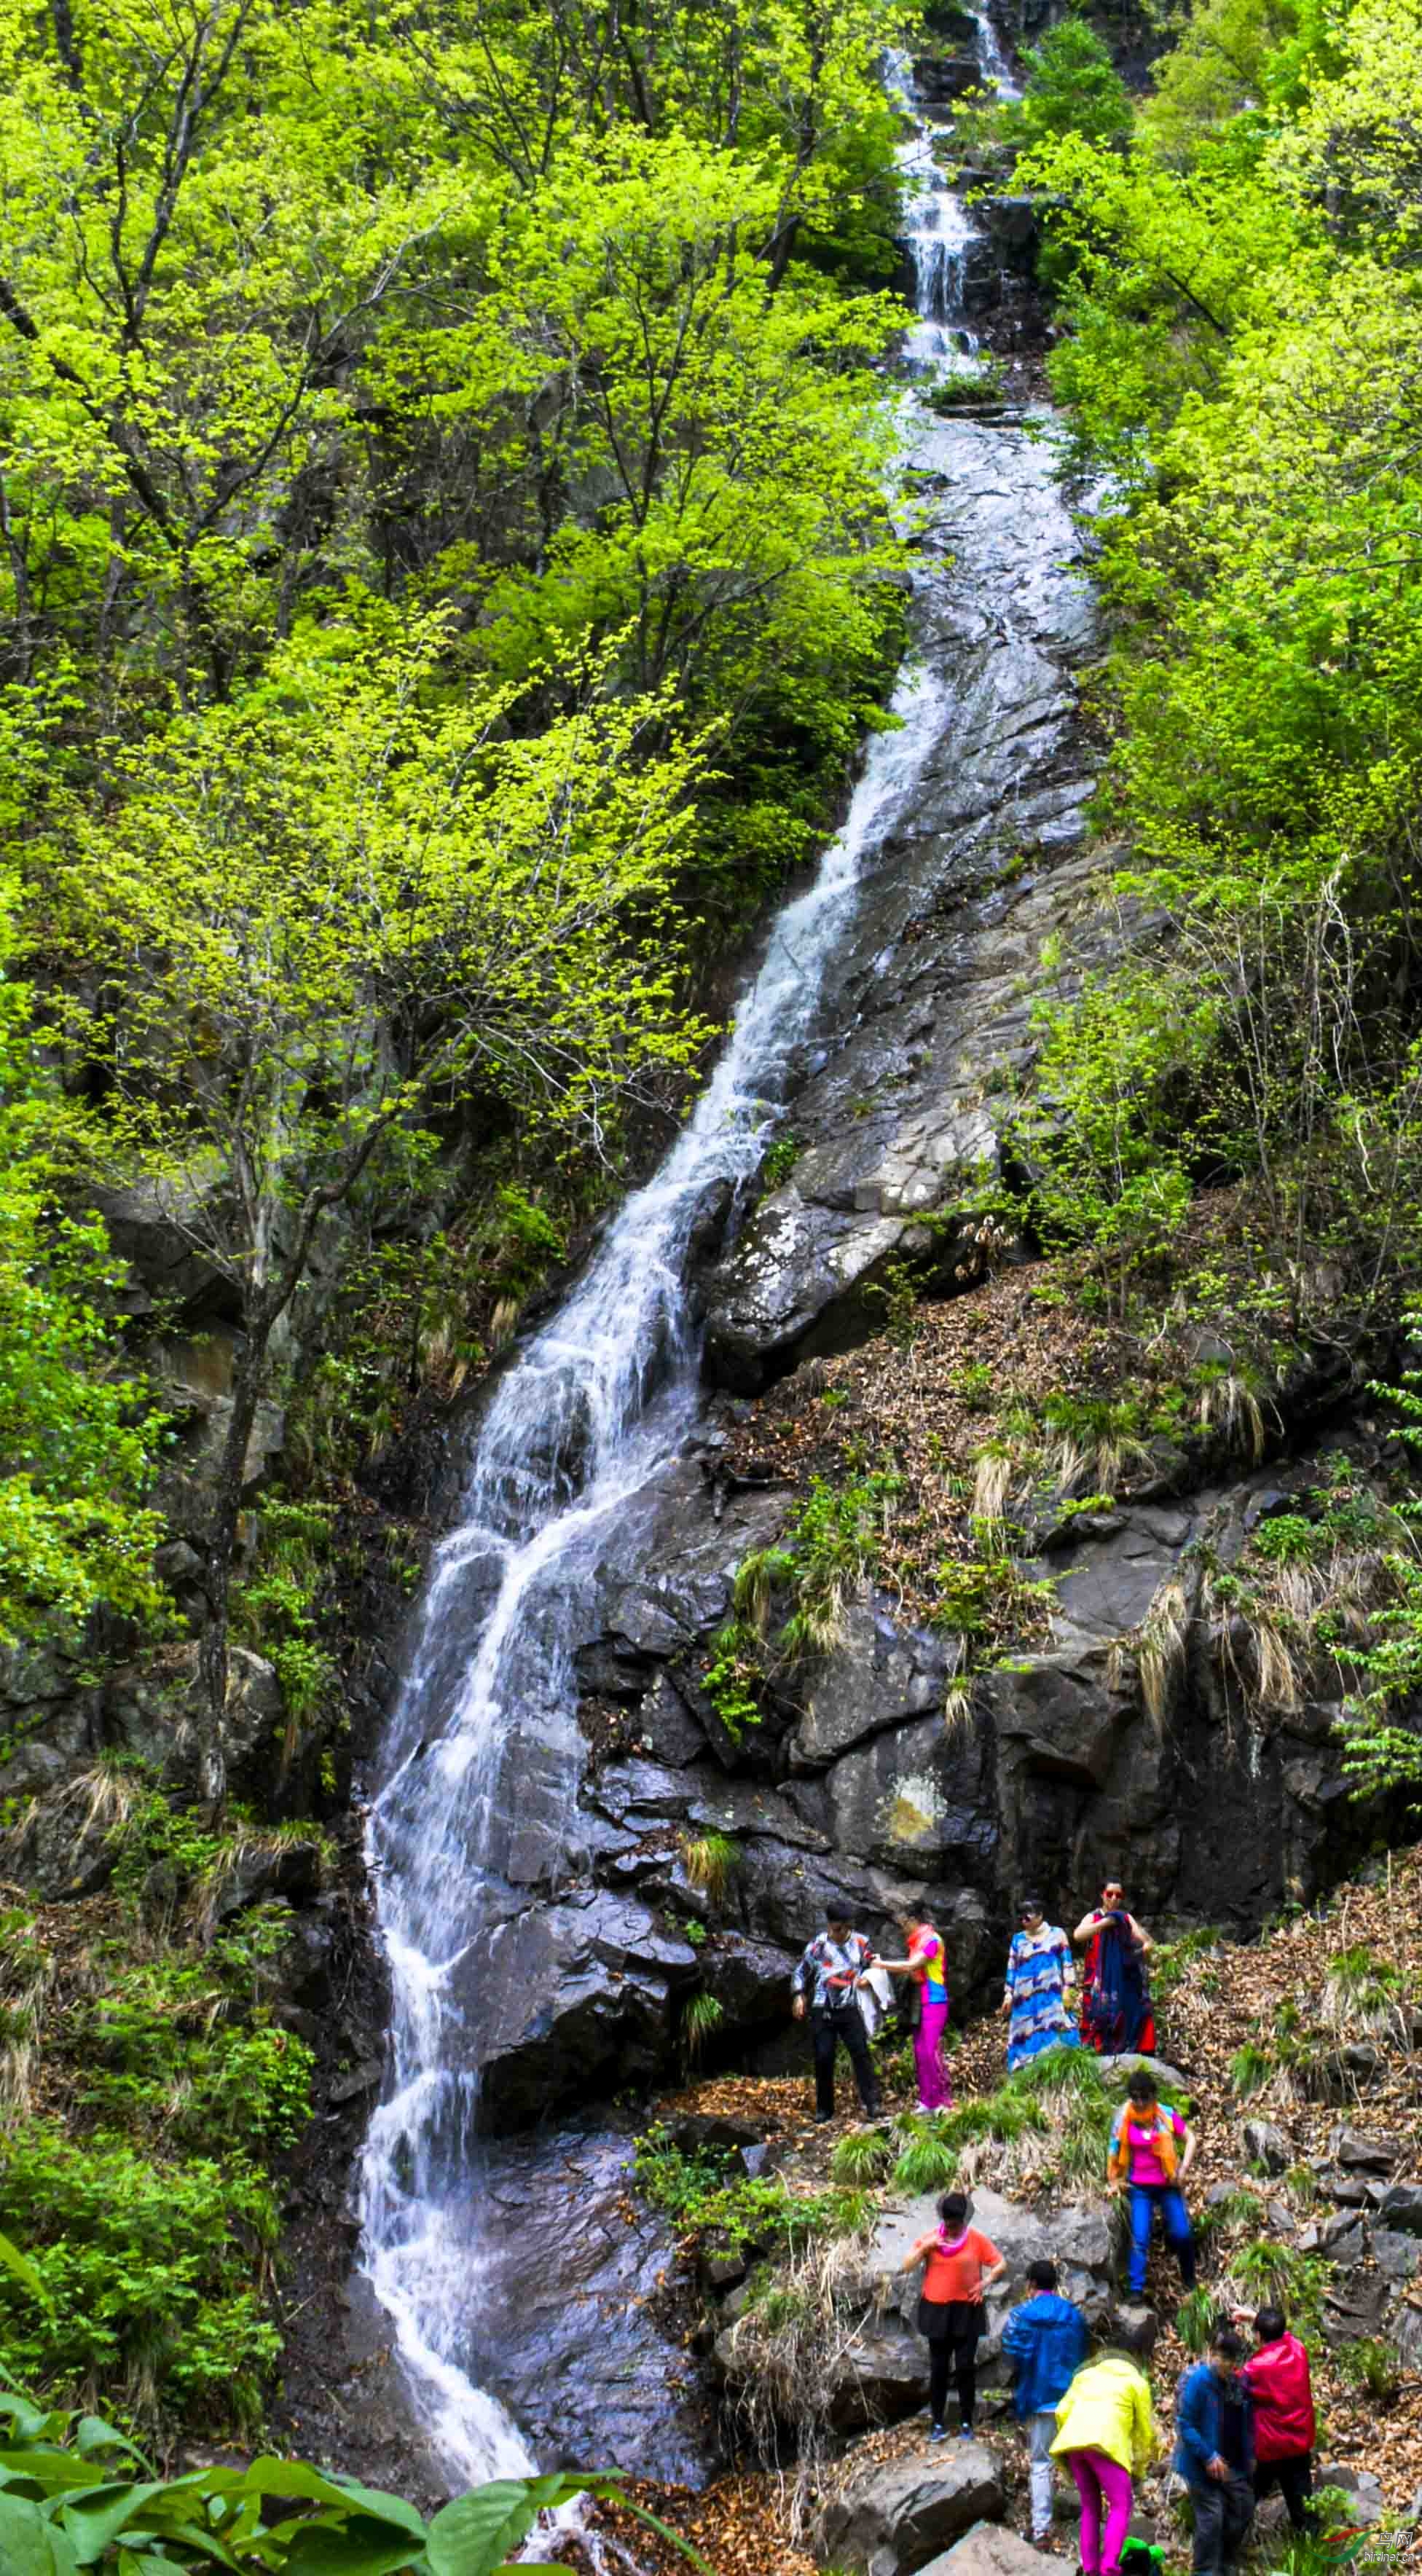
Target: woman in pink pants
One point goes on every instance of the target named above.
(925, 1964)
(1106, 2434)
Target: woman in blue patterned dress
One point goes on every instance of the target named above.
(1039, 1971)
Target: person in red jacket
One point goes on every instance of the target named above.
(1277, 2377)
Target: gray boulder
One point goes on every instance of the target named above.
(990, 2549)
(572, 1997)
(1401, 2207)
(1395, 2254)
(1265, 2144)
(1357, 2153)
(1170, 2079)
(749, 1979)
(892, 2520)
(1368, 2504)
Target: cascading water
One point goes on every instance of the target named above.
(593, 1406)
(937, 233)
(475, 1824)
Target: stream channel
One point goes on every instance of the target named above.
(516, 2286)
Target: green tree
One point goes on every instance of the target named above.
(352, 897)
(1073, 87)
(78, 1438)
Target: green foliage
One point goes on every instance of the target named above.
(702, 2016)
(735, 1677)
(964, 387)
(1171, 1960)
(79, 1442)
(1272, 2275)
(1237, 2209)
(149, 2208)
(1242, 349)
(274, 1609)
(1288, 1539)
(1372, 2366)
(1073, 87)
(1380, 1753)
(148, 2274)
(780, 1161)
(926, 2164)
(77, 2493)
(1250, 2069)
(828, 1552)
(860, 2158)
(709, 1859)
(1195, 2319)
(700, 2194)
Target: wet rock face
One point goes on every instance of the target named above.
(568, 2315)
(901, 1111)
(855, 1792)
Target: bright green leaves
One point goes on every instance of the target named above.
(1073, 87)
(30, 2546)
(1246, 353)
(58, 2516)
(359, 889)
(78, 1446)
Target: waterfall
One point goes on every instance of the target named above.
(474, 1822)
(937, 233)
(596, 1402)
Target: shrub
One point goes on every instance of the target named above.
(1372, 2366)
(861, 2157)
(700, 2192)
(701, 2018)
(709, 1861)
(927, 2163)
(1073, 87)
(150, 2274)
(76, 2492)
(1250, 2069)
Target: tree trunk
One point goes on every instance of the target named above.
(222, 1547)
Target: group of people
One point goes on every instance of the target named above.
(1112, 2013)
(1242, 2426)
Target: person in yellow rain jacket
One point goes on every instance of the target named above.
(1106, 2434)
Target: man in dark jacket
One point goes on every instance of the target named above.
(1277, 2377)
(1046, 2340)
(826, 1982)
(1214, 2453)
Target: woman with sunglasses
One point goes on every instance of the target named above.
(1040, 1973)
(1116, 2015)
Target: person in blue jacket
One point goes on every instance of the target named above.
(1214, 2453)
(1047, 2341)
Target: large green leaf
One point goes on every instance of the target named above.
(359, 2547)
(92, 2434)
(23, 2270)
(55, 2471)
(476, 2533)
(27, 2419)
(30, 2546)
(94, 2519)
(274, 2477)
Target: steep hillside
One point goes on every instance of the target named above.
(1300, 2056)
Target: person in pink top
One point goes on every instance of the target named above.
(926, 1965)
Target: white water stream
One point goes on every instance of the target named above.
(473, 1821)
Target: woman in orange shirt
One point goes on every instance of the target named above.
(959, 2264)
